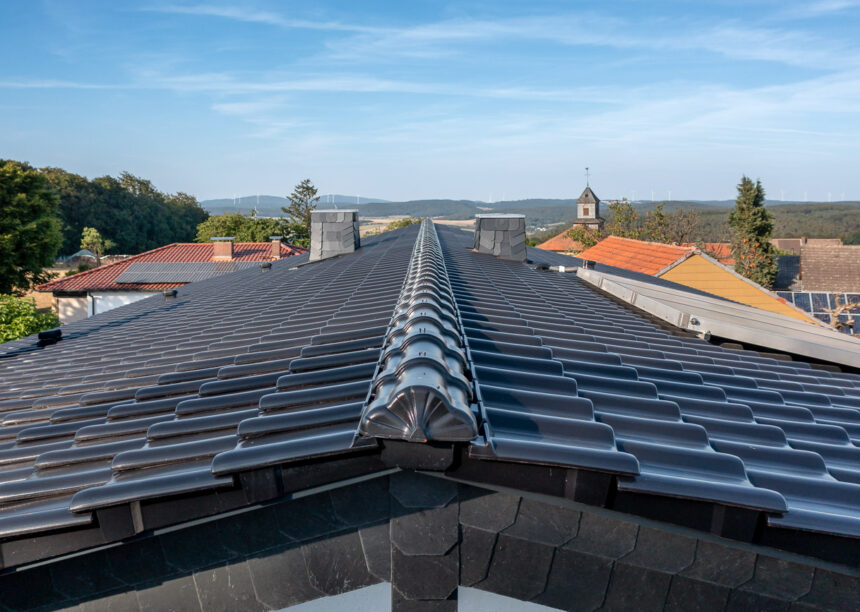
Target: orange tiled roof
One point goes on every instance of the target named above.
(561, 243)
(103, 278)
(636, 255)
(721, 251)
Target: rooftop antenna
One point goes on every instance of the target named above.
(587, 177)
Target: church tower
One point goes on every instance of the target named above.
(588, 211)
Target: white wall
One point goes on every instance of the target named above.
(108, 300)
(71, 309)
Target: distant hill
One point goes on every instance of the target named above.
(270, 206)
(791, 219)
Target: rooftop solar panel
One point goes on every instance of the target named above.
(180, 272)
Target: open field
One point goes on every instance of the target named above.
(372, 225)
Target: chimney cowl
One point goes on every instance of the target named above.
(222, 248)
(501, 235)
(333, 233)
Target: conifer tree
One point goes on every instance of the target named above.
(751, 225)
(303, 200)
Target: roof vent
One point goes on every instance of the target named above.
(266, 265)
(169, 294)
(222, 248)
(501, 235)
(333, 233)
(50, 336)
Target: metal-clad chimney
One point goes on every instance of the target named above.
(222, 248)
(276, 246)
(333, 233)
(501, 235)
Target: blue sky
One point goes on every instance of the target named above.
(406, 100)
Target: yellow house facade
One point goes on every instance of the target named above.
(705, 274)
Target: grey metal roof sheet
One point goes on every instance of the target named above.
(201, 393)
(711, 315)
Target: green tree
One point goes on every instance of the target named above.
(624, 221)
(19, 318)
(683, 226)
(585, 236)
(244, 229)
(29, 228)
(656, 225)
(129, 209)
(303, 200)
(92, 240)
(751, 225)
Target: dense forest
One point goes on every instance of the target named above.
(127, 210)
(820, 220)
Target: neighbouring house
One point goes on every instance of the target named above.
(691, 267)
(833, 269)
(721, 251)
(562, 243)
(822, 280)
(141, 276)
(416, 417)
(794, 245)
(830, 268)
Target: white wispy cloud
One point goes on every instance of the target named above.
(822, 8)
(452, 37)
(249, 15)
(54, 84)
(727, 38)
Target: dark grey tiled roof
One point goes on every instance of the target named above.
(246, 386)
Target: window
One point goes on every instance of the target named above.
(586, 211)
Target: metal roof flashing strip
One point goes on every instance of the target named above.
(420, 392)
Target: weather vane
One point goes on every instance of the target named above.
(587, 175)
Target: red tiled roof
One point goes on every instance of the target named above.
(721, 251)
(561, 243)
(103, 278)
(636, 255)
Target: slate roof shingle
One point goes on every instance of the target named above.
(244, 387)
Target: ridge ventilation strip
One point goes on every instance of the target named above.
(421, 392)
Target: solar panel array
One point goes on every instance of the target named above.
(817, 303)
(180, 272)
